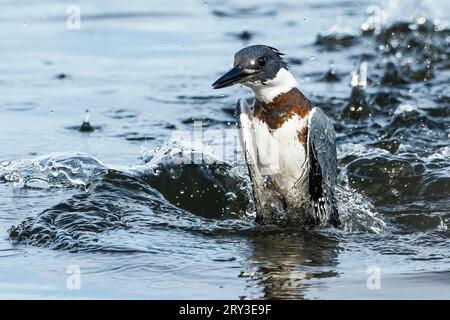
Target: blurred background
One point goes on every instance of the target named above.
(144, 69)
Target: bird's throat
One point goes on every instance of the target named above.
(266, 92)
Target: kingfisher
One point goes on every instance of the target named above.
(289, 145)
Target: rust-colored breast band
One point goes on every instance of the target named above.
(283, 108)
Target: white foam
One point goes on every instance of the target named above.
(404, 108)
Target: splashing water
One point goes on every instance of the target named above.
(359, 77)
(49, 171)
(414, 11)
(149, 229)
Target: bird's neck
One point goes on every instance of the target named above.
(283, 82)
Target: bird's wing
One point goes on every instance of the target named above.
(322, 154)
(246, 134)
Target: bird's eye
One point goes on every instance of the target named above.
(262, 61)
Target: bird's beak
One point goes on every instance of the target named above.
(235, 75)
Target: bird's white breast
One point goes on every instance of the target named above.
(277, 153)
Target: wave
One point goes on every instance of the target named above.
(210, 200)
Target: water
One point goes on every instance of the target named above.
(112, 203)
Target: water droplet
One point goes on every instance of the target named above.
(55, 171)
(421, 20)
(365, 26)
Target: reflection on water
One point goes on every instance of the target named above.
(139, 226)
(282, 264)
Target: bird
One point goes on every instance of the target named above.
(289, 144)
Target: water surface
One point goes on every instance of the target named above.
(112, 202)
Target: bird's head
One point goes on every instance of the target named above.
(257, 67)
